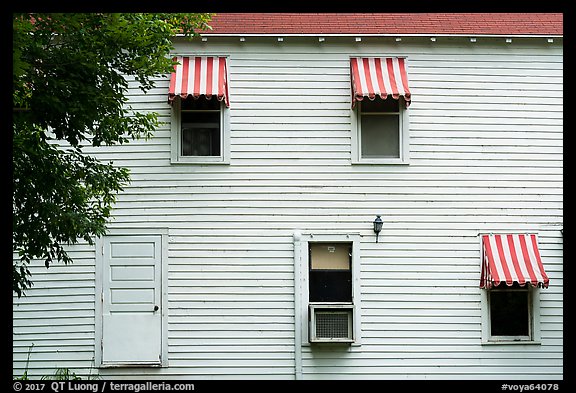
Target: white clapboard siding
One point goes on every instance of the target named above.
(486, 139)
(55, 320)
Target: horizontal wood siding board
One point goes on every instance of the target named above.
(486, 140)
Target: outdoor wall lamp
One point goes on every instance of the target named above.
(377, 226)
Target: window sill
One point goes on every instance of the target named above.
(331, 345)
(131, 364)
(200, 162)
(380, 162)
(520, 342)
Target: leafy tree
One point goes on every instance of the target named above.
(70, 79)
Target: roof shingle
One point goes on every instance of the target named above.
(388, 23)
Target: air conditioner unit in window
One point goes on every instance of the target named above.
(331, 323)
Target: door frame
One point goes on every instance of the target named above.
(99, 271)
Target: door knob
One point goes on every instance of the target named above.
(155, 308)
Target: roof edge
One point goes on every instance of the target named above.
(205, 34)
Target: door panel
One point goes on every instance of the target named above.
(131, 300)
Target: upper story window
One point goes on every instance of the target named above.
(200, 119)
(200, 131)
(201, 128)
(381, 132)
(380, 96)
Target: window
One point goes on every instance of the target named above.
(381, 132)
(327, 289)
(331, 310)
(200, 131)
(379, 129)
(330, 275)
(200, 125)
(511, 277)
(380, 98)
(510, 313)
(198, 93)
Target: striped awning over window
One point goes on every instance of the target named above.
(510, 258)
(199, 75)
(379, 76)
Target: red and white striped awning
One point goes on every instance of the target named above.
(382, 76)
(510, 258)
(199, 75)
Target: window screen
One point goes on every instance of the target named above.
(380, 136)
(333, 324)
(380, 128)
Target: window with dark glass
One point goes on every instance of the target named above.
(510, 312)
(330, 275)
(201, 127)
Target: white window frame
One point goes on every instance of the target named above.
(534, 312)
(176, 137)
(534, 320)
(301, 259)
(404, 137)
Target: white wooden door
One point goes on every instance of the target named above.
(131, 300)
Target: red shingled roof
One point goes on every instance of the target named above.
(391, 23)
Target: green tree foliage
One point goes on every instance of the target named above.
(69, 90)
